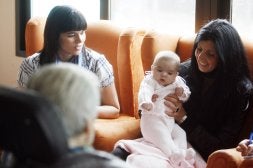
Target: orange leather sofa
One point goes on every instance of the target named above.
(131, 51)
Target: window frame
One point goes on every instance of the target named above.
(22, 15)
(207, 10)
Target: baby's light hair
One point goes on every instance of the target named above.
(167, 55)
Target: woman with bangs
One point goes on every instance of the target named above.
(64, 38)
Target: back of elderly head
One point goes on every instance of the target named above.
(76, 91)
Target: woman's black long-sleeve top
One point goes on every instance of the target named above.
(214, 119)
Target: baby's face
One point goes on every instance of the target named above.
(164, 72)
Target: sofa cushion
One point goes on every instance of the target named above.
(108, 132)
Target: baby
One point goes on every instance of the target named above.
(156, 126)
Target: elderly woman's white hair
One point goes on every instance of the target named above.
(74, 89)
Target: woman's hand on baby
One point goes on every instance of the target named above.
(179, 91)
(154, 97)
(147, 106)
(177, 111)
(245, 148)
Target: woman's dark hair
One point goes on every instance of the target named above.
(60, 19)
(232, 62)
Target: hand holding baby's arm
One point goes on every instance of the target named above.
(147, 106)
(179, 91)
(154, 97)
(245, 147)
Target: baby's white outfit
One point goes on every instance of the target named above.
(156, 126)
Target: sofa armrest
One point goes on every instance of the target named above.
(246, 163)
(223, 158)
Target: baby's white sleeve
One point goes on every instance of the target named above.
(146, 91)
(186, 94)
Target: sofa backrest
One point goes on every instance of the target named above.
(34, 35)
(248, 44)
(103, 37)
(153, 42)
(185, 46)
(130, 68)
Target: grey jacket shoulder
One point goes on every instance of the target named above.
(93, 159)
